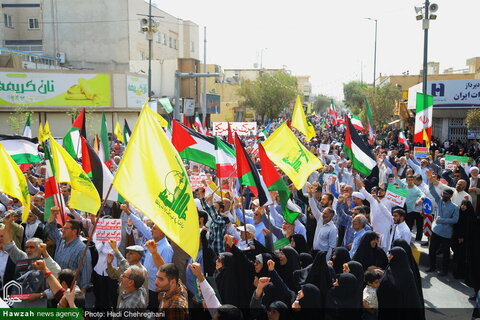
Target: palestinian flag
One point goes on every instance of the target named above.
(226, 159)
(368, 110)
(248, 174)
(53, 197)
(97, 171)
(127, 133)
(357, 123)
(194, 146)
(71, 141)
(358, 152)
(403, 140)
(104, 146)
(27, 131)
(274, 182)
(21, 149)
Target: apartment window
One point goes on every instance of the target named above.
(170, 42)
(192, 46)
(33, 24)
(159, 37)
(8, 20)
(174, 43)
(165, 39)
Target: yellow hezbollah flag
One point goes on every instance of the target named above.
(309, 108)
(118, 132)
(40, 133)
(13, 182)
(84, 196)
(152, 177)
(300, 122)
(284, 149)
(426, 139)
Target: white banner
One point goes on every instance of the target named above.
(241, 128)
(137, 91)
(108, 229)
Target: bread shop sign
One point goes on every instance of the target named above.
(54, 89)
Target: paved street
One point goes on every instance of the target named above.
(445, 297)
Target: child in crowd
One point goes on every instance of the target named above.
(370, 302)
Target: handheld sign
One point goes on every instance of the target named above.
(449, 161)
(421, 152)
(108, 229)
(396, 195)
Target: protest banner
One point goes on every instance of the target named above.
(196, 181)
(324, 148)
(108, 229)
(396, 195)
(449, 161)
(241, 128)
(421, 152)
(279, 244)
(328, 177)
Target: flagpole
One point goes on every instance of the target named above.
(89, 240)
(243, 212)
(60, 203)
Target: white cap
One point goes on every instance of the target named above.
(250, 228)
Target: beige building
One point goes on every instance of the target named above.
(228, 84)
(101, 35)
(448, 118)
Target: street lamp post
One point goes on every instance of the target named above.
(426, 23)
(374, 52)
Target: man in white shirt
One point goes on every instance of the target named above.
(400, 228)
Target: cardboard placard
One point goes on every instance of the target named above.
(196, 181)
(325, 147)
(449, 159)
(108, 229)
(421, 152)
(396, 195)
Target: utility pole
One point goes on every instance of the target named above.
(426, 23)
(374, 53)
(150, 39)
(204, 95)
(179, 75)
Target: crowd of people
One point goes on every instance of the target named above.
(348, 255)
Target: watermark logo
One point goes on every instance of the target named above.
(10, 299)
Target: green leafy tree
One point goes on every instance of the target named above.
(382, 101)
(354, 93)
(18, 118)
(89, 116)
(321, 103)
(473, 118)
(269, 94)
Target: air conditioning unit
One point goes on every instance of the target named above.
(61, 57)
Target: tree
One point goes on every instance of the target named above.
(382, 101)
(18, 118)
(354, 92)
(89, 117)
(321, 103)
(269, 94)
(473, 118)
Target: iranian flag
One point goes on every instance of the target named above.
(71, 141)
(53, 197)
(333, 114)
(357, 123)
(358, 152)
(274, 182)
(226, 159)
(423, 118)
(403, 140)
(27, 131)
(368, 110)
(193, 146)
(22, 149)
(248, 174)
(97, 171)
(198, 124)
